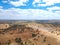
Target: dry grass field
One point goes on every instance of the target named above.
(29, 34)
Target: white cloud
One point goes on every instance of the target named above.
(36, 1)
(18, 3)
(40, 2)
(32, 14)
(51, 2)
(55, 9)
(4, 1)
(48, 2)
(1, 7)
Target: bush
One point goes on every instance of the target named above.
(34, 35)
(18, 40)
(44, 39)
(8, 42)
(48, 44)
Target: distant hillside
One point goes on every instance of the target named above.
(37, 21)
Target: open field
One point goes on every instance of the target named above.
(30, 33)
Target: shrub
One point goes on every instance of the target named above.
(18, 40)
(44, 39)
(8, 42)
(48, 44)
(34, 35)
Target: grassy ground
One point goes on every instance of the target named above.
(31, 34)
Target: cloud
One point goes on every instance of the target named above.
(54, 9)
(19, 3)
(1, 7)
(29, 14)
(35, 3)
(32, 14)
(45, 2)
(5, 1)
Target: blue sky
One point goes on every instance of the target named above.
(29, 9)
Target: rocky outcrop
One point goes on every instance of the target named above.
(4, 26)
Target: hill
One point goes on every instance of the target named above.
(30, 34)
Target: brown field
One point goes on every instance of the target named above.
(29, 34)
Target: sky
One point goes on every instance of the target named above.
(29, 9)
